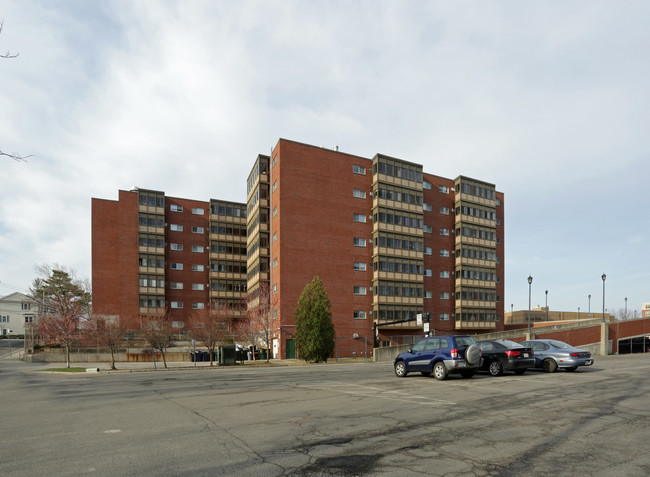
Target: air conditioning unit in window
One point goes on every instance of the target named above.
(370, 217)
(372, 194)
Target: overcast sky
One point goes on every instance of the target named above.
(547, 100)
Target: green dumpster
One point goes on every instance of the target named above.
(227, 355)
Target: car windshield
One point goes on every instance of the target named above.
(465, 341)
(560, 344)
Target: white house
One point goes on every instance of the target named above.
(16, 310)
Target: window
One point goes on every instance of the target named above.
(176, 227)
(428, 273)
(198, 306)
(444, 274)
(359, 218)
(444, 210)
(197, 211)
(428, 251)
(197, 248)
(25, 306)
(428, 294)
(359, 290)
(4, 318)
(359, 242)
(444, 295)
(176, 266)
(360, 266)
(176, 286)
(275, 185)
(498, 202)
(359, 194)
(275, 262)
(176, 246)
(444, 232)
(443, 189)
(198, 268)
(275, 211)
(198, 286)
(444, 316)
(275, 237)
(29, 319)
(444, 253)
(275, 159)
(197, 230)
(177, 304)
(427, 228)
(275, 288)
(427, 207)
(359, 170)
(359, 315)
(176, 208)
(426, 185)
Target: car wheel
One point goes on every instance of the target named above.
(549, 366)
(496, 369)
(439, 371)
(400, 369)
(468, 373)
(473, 355)
(521, 371)
(425, 373)
(572, 368)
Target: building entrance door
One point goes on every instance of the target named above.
(291, 349)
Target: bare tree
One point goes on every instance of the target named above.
(623, 314)
(249, 331)
(61, 326)
(158, 332)
(259, 312)
(12, 155)
(212, 326)
(108, 330)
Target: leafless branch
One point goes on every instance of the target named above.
(15, 157)
(8, 54)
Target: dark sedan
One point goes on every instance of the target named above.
(504, 355)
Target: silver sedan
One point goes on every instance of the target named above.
(553, 354)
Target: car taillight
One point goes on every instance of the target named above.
(512, 352)
(575, 355)
(454, 353)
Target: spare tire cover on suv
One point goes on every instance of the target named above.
(473, 355)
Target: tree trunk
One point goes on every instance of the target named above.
(112, 358)
(162, 352)
(67, 356)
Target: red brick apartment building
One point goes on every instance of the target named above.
(388, 241)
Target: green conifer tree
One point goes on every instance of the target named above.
(313, 319)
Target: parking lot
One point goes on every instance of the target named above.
(332, 419)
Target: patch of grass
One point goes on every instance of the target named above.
(66, 370)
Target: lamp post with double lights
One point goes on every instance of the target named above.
(530, 283)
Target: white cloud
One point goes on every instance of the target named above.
(546, 100)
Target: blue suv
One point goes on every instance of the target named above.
(440, 355)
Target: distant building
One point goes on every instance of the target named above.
(645, 310)
(16, 311)
(543, 315)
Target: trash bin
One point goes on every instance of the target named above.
(227, 355)
(262, 353)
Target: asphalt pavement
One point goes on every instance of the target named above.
(326, 419)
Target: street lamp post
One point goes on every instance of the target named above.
(546, 305)
(604, 277)
(626, 308)
(578, 312)
(530, 283)
(589, 306)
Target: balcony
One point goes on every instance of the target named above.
(475, 325)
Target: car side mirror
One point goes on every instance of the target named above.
(410, 350)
